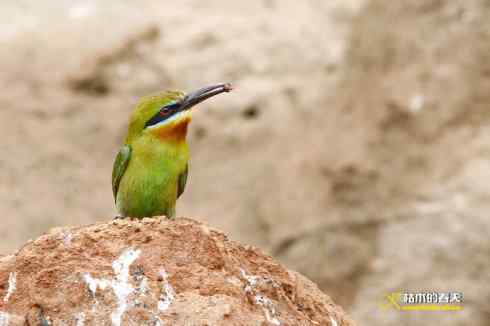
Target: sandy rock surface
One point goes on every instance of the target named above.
(154, 272)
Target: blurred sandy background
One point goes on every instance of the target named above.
(356, 148)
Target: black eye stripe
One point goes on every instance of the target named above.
(171, 106)
(164, 113)
(168, 109)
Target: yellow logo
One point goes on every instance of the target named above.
(423, 301)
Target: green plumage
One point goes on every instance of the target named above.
(150, 170)
(154, 177)
(182, 181)
(120, 165)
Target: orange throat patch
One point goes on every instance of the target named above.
(173, 130)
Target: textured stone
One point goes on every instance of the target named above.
(154, 272)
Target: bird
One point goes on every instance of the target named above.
(150, 170)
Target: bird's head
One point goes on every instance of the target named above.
(167, 115)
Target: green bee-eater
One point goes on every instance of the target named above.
(150, 170)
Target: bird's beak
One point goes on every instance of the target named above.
(202, 94)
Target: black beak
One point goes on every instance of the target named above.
(202, 94)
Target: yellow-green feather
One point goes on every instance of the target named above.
(148, 181)
(120, 165)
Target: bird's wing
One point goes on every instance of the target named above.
(182, 181)
(120, 165)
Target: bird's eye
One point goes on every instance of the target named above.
(165, 110)
(168, 108)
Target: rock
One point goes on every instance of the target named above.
(154, 272)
